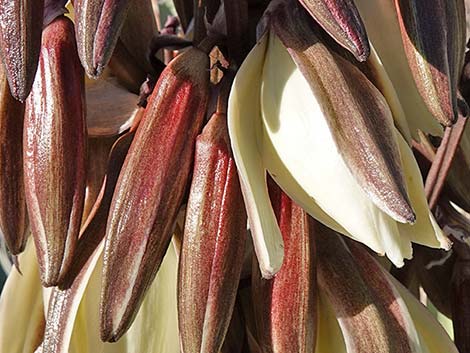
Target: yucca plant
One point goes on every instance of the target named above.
(243, 176)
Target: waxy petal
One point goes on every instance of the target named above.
(20, 43)
(21, 307)
(432, 337)
(157, 320)
(380, 19)
(369, 309)
(341, 20)
(244, 125)
(293, 124)
(64, 302)
(433, 34)
(98, 25)
(13, 214)
(55, 151)
(150, 189)
(213, 245)
(329, 337)
(356, 112)
(286, 306)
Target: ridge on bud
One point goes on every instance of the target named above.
(13, 214)
(150, 189)
(20, 42)
(285, 306)
(361, 295)
(357, 114)
(213, 245)
(98, 25)
(341, 20)
(433, 34)
(54, 151)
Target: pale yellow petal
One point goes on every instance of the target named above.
(244, 123)
(296, 129)
(382, 27)
(21, 306)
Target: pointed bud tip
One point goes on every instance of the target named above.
(20, 91)
(94, 72)
(362, 55)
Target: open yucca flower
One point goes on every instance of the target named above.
(249, 178)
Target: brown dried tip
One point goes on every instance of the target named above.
(55, 151)
(13, 214)
(150, 189)
(341, 20)
(433, 34)
(99, 23)
(213, 244)
(20, 42)
(286, 306)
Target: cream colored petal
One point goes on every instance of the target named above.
(382, 26)
(426, 230)
(384, 84)
(431, 334)
(155, 328)
(295, 126)
(329, 337)
(244, 122)
(21, 307)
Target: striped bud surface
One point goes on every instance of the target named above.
(20, 42)
(286, 306)
(54, 151)
(358, 116)
(433, 35)
(213, 244)
(64, 302)
(150, 189)
(98, 25)
(13, 215)
(341, 20)
(369, 310)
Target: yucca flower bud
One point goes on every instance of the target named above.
(55, 151)
(150, 189)
(13, 214)
(293, 97)
(286, 306)
(433, 35)
(98, 25)
(20, 42)
(213, 242)
(341, 20)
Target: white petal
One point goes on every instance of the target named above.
(426, 230)
(433, 337)
(295, 127)
(382, 27)
(21, 307)
(243, 123)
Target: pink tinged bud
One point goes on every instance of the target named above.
(286, 306)
(55, 151)
(213, 244)
(150, 189)
(20, 43)
(13, 215)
